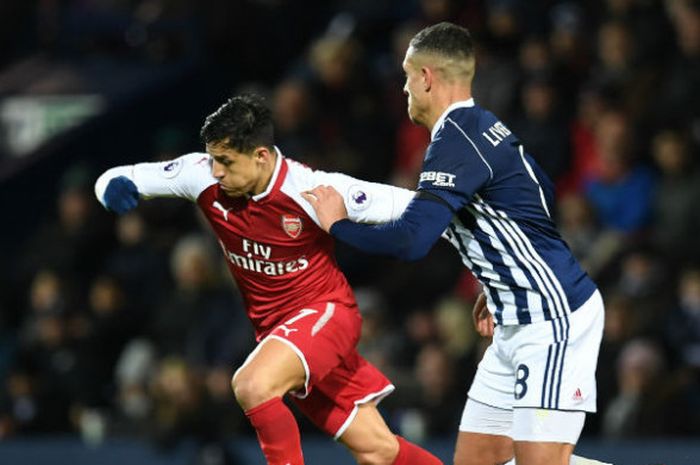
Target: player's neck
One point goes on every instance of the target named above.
(443, 100)
(266, 173)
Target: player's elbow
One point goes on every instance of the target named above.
(416, 252)
(410, 248)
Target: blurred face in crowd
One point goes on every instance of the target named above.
(240, 174)
(669, 151)
(614, 46)
(74, 208)
(538, 100)
(291, 105)
(612, 140)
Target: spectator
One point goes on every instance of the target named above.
(622, 192)
(641, 367)
(199, 320)
(543, 129)
(676, 218)
(593, 246)
(683, 323)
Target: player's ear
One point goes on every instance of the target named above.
(262, 154)
(427, 78)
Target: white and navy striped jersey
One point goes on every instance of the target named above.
(502, 225)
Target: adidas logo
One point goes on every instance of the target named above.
(578, 397)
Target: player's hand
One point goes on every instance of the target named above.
(483, 320)
(121, 195)
(328, 204)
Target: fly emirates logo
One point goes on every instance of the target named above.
(256, 257)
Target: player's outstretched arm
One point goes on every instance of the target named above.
(364, 201)
(409, 237)
(119, 189)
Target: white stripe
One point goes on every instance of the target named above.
(558, 353)
(521, 149)
(500, 286)
(519, 253)
(473, 145)
(560, 337)
(550, 352)
(529, 255)
(476, 254)
(327, 315)
(540, 260)
(518, 275)
(534, 300)
(378, 396)
(559, 324)
(551, 374)
(537, 260)
(455, 241)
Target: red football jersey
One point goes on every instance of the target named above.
(280, 258)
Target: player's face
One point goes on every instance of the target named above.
(414, 88)
(239, 174)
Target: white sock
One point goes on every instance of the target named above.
(575, 460)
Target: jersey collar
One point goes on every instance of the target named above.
(273, 180)
(441, 120)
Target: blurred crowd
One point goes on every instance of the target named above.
(132, 326)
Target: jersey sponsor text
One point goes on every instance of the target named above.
(438, 178)
(264, 266)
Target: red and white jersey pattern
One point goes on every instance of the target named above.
(280, 258)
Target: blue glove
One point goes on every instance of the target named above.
(121, 195)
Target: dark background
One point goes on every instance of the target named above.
(131, 328)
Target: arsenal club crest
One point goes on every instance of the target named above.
(291, 225)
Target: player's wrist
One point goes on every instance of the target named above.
(338, 226)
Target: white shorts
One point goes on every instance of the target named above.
(523, 424)
(545, 365)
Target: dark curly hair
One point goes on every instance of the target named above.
(242, 123)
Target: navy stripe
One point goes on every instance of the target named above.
(499, 306)
(554, 369)
(546, 369)
(563, 358)
(577, 285)
(506, 236)
(548, 288)
(527, 250)
(504, 271)
(522, 309)
(542, 266)
(478, 271)
(557, 330)
(551, 374)
(563, 285)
